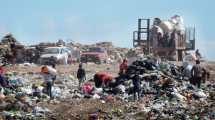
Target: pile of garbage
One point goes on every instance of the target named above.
(166, 93)
(22, 93)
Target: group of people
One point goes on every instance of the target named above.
(104, 79)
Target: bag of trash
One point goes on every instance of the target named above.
(56, 92)
(167, 26)
(121, 88)
(200, 94)
(96, 96)
(87, 88)
(98, 90)
(52, 70)
(158, 29)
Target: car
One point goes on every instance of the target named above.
(59, 54)
(95, 54)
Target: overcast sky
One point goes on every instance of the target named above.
(89, 21)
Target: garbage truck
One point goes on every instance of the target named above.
(169, 39)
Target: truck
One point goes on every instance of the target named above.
(96, 55)
(59, 54)
(168, 39)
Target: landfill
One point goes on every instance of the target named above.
(165, 88)
(165, 94)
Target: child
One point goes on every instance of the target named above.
(48, 79)
(81, 75)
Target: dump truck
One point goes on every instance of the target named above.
(168, 39)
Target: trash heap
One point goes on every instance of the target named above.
(22, 96)
(166, 95)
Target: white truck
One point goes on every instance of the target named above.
(60, 54)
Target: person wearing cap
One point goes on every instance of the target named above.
(81, 75)
(48, 79)
(196, 74)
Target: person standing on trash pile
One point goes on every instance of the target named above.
(81, 75)
(196, 73)
(48, 79)
(136, 80)
(102, 79)
(123, 67)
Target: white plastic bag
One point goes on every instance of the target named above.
(166, 26)
(52, 70)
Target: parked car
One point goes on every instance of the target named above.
(96, 54)
(60, 55)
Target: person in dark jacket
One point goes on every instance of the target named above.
(196, 74)
(81, 75)
(136, 84)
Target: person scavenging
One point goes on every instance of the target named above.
(123, 67)
(81, 75)
(196, 74)
(102, 79)
(48, 79)
(136, 80)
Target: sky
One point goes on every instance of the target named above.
(89, 21)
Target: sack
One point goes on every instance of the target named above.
(167, 26)
(87, 88)
(52, 70)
